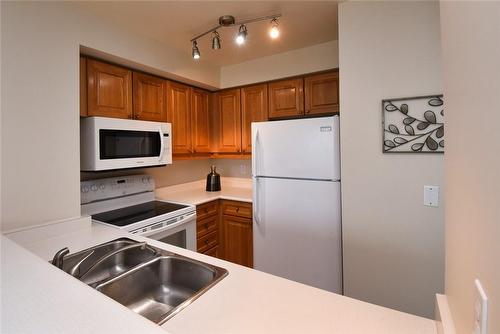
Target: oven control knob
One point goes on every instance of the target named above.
(85, 189)
(102, 186)
(145, 179)
(93, 188)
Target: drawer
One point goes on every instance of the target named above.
(214, 251)
(207, 209)
(207, 225)
(237, 209)
(207, 241)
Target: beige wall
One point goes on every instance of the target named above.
(393, 245)
(306, 60)
(471, 71)
(39, 88)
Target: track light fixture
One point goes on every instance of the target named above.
(274, 32)
(242, 35)
(215, 40)
(196, 52)
(229, 21)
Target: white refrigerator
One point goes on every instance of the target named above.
(296, 200)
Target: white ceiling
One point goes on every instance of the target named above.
(174, 23)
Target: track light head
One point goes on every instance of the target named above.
(242, 35)
(216, 41)
(274, 32)
(196, 52)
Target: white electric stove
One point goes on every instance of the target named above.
(128, 203)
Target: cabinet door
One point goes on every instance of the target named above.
(200, 121)
(149, 98)
(109, 90)
(322, 93)
(253, 109)
(179, 114)
(286, 98)
(238, 240)
(228, 119)
(83, 86)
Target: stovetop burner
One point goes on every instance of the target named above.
(136, 213)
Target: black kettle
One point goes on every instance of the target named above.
(213, 180)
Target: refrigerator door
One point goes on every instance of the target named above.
(305, 148)
(297, 231)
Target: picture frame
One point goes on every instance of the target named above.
(413, 124)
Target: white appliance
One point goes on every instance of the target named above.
(112, 143)
(296, 189)
(128, 203)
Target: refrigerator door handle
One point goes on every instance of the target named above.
(256, 148)
(255, 200)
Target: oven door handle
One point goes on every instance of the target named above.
(167, 227)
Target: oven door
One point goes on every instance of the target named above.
(181, 234)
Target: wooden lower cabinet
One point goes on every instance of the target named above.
(224, 230)
(238, 240)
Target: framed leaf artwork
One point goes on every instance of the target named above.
(413, 125)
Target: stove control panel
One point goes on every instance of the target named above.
(114, 187)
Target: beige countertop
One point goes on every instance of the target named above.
(236, 189)
(36, 297)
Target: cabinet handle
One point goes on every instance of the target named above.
(206, 242)
(237, 209)
(206, 226)
(206, 210)
(136, 116)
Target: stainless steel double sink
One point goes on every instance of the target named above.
(152, 282)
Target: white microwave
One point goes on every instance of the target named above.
(111, 143)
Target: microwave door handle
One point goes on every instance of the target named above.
(161, 144)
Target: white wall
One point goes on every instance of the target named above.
(40, 102)
(393, 245)
(471, 71)
(296, 62)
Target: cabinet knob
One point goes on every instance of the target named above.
(237, 209)
(308, 111)
(206, 210)
(136, 116)
(206, 226)
(206, 242)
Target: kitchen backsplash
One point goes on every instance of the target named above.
(182, 171)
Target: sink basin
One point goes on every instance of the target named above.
(152, 282)
(111, 267)
(161, 287)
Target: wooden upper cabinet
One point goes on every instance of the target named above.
(253, 109)
(109, 90)
(286, 98)
(228, 121)
(322, 93)
(149, 98)
(83, 86)
(178, 113)
(200, 121)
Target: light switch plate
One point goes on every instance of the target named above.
(480, 309)
(431, 196)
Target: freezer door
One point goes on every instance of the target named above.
(297, 231)
(305, 148)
